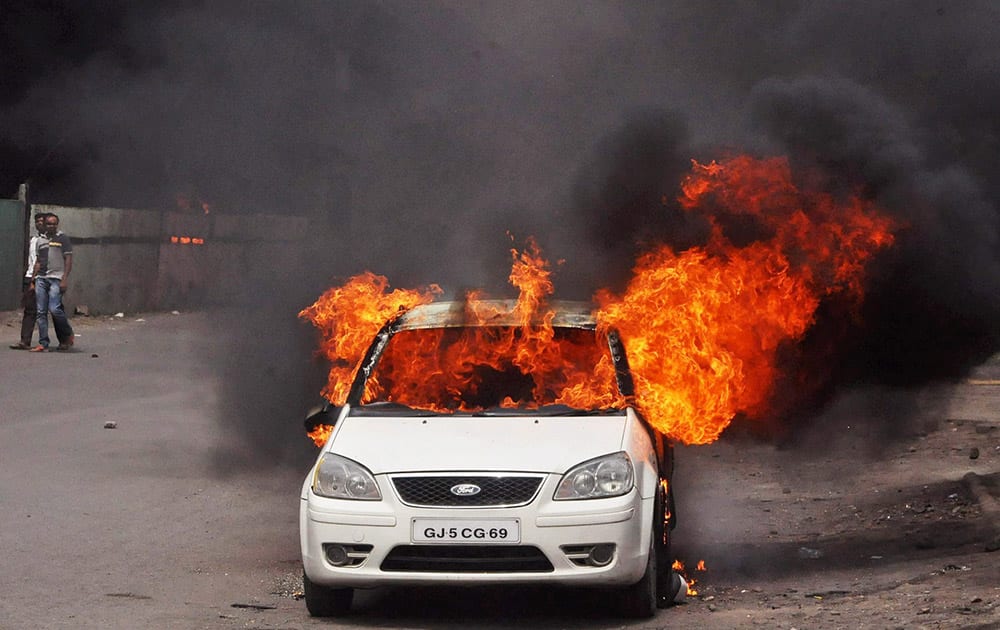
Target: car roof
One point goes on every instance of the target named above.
(566, 314)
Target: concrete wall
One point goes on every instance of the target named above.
(143, 260)
(12, 254)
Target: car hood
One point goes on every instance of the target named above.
(528, 443)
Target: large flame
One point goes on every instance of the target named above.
(702, 327)
(468, 368)
(528, 365)
(350, 316)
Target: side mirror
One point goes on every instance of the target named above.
(321, 414)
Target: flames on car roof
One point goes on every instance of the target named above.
(566, 314)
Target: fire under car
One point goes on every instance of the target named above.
(487, 448)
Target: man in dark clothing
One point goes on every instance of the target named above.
(52, 267)
(28, 287)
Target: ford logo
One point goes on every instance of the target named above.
(465, 489)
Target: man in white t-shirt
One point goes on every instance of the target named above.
(28, 288)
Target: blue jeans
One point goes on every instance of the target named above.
(48, 299)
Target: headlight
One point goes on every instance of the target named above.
(340, 478)
(607, 476)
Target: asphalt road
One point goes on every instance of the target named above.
(136, 527)
(130, 527)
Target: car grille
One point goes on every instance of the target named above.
(467, 559)
(495, 491)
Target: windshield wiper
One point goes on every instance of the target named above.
(392, 408)
(547, 410)
(563, 410)
(504, 411)
(386, 407)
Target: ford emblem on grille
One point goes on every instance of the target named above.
(465, 489)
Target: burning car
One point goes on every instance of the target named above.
(469, 453)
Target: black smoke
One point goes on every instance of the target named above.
(415, 135)
(935, 305)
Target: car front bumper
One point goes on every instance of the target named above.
(554, 539)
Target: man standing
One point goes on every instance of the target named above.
(28, 299)
(53, 263)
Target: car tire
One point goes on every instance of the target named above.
(639, 601)
(667, 580)
(653, 591)
(324, 601)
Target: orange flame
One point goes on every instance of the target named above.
(678, 566)
(320, 434)
(457, 369)
(187, 240)
(350, 316)
(702, 327)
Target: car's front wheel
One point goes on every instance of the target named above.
(639, 601)
(667, 580)
(660, 584)
(324, 601)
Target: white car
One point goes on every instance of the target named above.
(514, 493)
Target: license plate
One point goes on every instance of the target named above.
(488, 531)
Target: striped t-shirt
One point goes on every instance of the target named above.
(50, 255)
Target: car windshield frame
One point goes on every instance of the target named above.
(500, 313)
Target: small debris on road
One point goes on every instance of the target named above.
(128, 595)
(822, 594)
(808, 553)
(110, 424)
(254, 606)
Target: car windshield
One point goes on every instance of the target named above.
(487, 370)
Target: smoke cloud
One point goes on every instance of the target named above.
(415, 135)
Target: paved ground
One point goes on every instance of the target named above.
(856, 524)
